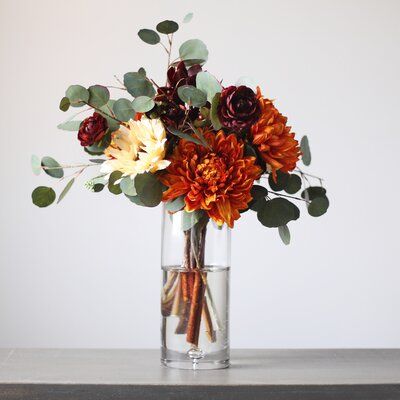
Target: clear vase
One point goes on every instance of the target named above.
(195, 292)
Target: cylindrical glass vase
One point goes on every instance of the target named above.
(195, 291)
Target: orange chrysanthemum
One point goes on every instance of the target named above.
(276, 144)
(217, 179)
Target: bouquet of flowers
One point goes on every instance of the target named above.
(208, 150)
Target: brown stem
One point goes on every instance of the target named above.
(177, 303)
(196, 306)
(210, 332)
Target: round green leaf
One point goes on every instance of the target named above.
(190, 219)
(258, 193)
(66, 190)
(193, 51)
(149, 36)
(312, 192)
(277, 212)
(70, 125)
(318, 206)
(143, 104)
(284, 234)
(43, 196)
(305, 149)
(176, 204)
(293, 184)
(52, 167)
(98, 96)
(127, 186)
(136, 200)
(112, 123)
(149, 189)
(64, 104)
(98, 187)
(35, 164)
(192, 96)
(208, 84)
(188, 17)
(77, 95)
(282, 180)
(167, 27)
(123, 109)
(138, 85)
(112, 186)
(249, 150)
(216, 123)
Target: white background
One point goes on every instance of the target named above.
(86, 273)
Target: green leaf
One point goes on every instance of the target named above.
(208, 84)
(127, 186)
(284, 234)
(293, 184)
(136, 200)
(149, 189)
(64, 104)
(106, 112)
(98, 96)
(192, 96)
(142, 72)
(96, 149)
(305, 149)
(70, 125)
(66, 190)
(185, 136)
(98, 187)
(188, 17)
(249, 150)
(190, 219)
(214, 112)
(96, 160)
(123, 109)
(318, 206)
(167, 27)
(143, 104)
(77, 95)
(55, 170)
(258, 193)
(112, 186)
(149, 36)
(282, 180)
(138, 85)
(193, 51)
(277, 212)
(35, 164)
(175, 205)
(43, 196)
(313, 192)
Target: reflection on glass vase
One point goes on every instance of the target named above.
(195, 292)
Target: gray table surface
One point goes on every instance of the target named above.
(254, 374)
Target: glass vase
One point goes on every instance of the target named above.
(195, 291)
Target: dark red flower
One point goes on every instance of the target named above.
(92, 129)
(172, 108)
(238, 108)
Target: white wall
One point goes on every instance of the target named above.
(86, 273)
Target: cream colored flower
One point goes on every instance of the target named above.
(136, 148)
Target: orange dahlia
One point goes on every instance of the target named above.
(217, 179)
(276, 144)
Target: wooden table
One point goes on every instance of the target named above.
(34, 374)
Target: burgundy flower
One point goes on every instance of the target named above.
(238, 108)
(92, 129)
(172, 108)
